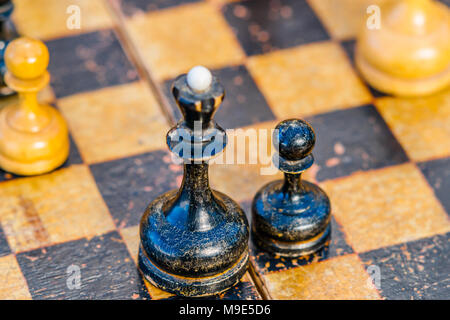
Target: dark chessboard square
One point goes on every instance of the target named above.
(131, 7)
(437, 173)
(128, 185)
(414, 270)
(74, 154)
(243, 105)
(360, 140)
(4, 246)
(336, 246)
(349, 48)
(88, 62)
(102, 265)
(5, 176)
(265, 25)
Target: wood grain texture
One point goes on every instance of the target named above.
(106, 270)
(384, 170)
(88, 62)
(414, 270)
(302, 81)
(386, 207)
(264, 26)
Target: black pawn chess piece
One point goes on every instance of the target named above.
(194, 241)
(7, 34)
(291, 217)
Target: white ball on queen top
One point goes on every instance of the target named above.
(199, 79)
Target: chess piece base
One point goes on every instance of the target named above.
(193, 263)
(291, 225)
(398, 86)
(292, 249)
(192, 287)
(31, 153)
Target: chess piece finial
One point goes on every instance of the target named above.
(409, 54)
(194, 241)
(33, 137)
(199, 79)
(291, 217)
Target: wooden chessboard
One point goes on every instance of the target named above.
(384, 161)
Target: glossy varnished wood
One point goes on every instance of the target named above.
(33, 137)
(194, 241)
(409, 54)
(291, 217)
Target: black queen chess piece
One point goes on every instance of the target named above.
(7, 34)
(291, 217)
(194, 241)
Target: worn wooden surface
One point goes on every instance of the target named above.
(384, 161)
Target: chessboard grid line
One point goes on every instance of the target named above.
(116, 227)
(255, 281)
(431, 189)
(432, 158)
(133, 54)
(427, 183)
(374, 288)
(394, 134)
(146, 76)
(373, 99)
(337, 41)
(415, 163)
(164, 104)
(54, 102)
(259, 282)
(254, 275)
(53, 243)
(264, 285)
(144, 287)
(120, 26)
(320, 18)
(13, 254)
(155, 84)
(23, 277)
(354, 251)
(25, 280)
(165, 110)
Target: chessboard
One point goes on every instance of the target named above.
(383, 161)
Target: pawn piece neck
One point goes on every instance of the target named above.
(196, 198)
(26, 60)
(292, 185)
